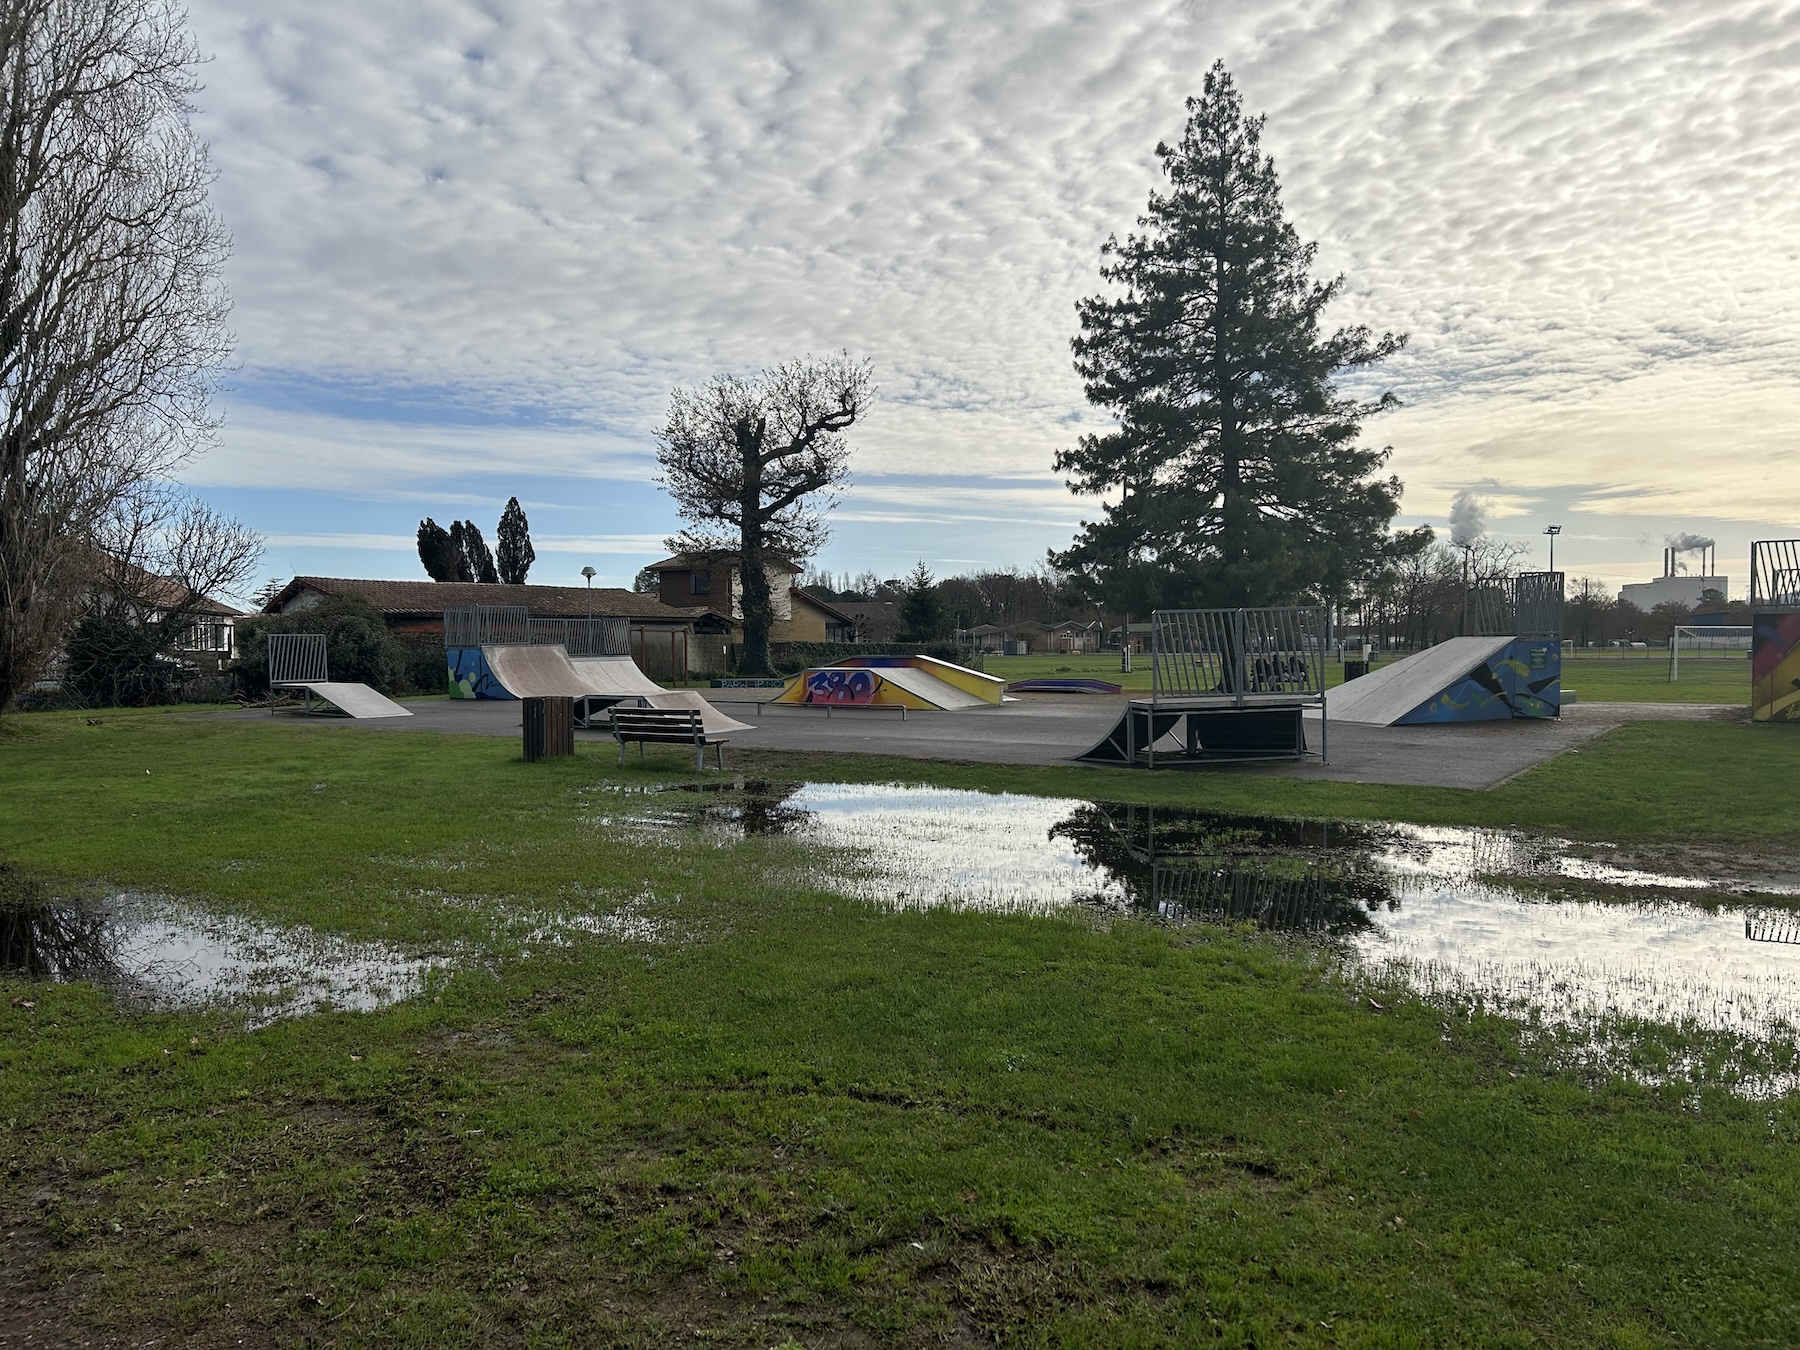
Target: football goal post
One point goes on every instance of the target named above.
(1711, 645)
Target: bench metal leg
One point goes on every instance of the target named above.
(621, 752)
(699, 756)
(721, 749)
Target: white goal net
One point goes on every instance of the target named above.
(1709, 646)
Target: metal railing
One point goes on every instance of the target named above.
(1775, 574)
(296, 659)
(1239, 656)
(513, 626)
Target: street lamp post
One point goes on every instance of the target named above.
(588, 572)
(1552, 531)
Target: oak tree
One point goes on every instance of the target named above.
(753, 464)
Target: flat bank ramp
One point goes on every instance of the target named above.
(535, 672)
(934, 692)
(356, 700)
(1382, 697)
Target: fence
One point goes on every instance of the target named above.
(1775, 574)
(513, 626)
(1243, 656)
(296, 658)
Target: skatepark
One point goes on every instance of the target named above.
(1233, 691)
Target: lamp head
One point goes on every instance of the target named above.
(589, 573)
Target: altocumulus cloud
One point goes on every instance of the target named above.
(486, 238)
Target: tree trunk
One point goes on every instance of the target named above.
(758, 615)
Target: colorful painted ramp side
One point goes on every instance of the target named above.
(1470, 679)
(987, 688)
(918, 683)
(1775, 668)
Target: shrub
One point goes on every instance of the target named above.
(422, 663)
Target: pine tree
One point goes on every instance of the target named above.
(513, 539)
(437, 552)
(1235, 461)
(922, 616)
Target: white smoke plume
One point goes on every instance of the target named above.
(1468, 519)
(1687, 543)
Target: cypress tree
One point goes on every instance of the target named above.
(477, 563)
(1234, 459)
(437, 552)
(514, 544)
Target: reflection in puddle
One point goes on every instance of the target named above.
(166, 953)
(1484, 917)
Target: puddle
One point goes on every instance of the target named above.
(164, 953)
(1513, 922)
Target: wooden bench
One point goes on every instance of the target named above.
(665, 726)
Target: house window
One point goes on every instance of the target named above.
(700, 583)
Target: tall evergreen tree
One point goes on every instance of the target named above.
(473, 561)
(513, 538)
(922, 617)
(1235, 461)
(437, 552)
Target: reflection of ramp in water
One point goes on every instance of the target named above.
(1772, 925)
(1198, 888)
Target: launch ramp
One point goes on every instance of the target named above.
(356, 700)
(1390, 694)
(1467, 679)
(299, 661)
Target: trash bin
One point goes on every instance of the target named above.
(1355, 670)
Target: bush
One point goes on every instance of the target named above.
(423, 666)
(358, 646)
(113, 661)
(789, 657)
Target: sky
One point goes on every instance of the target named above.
(478, 242)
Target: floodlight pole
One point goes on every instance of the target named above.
(1552, 531)
(588, 572)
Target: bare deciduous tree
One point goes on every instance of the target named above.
(160, 557)
(112, 310)
(752, 464)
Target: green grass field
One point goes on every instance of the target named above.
(1597, 677)
(808, 1121)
